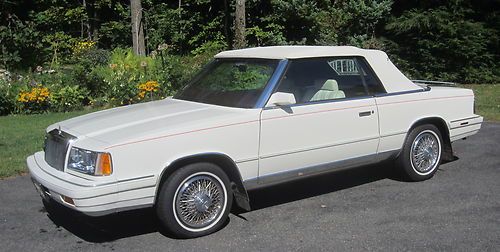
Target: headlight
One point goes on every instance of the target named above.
(90, 162)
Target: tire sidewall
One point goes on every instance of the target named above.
(405, 160)
(165, 207)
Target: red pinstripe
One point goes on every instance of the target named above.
(272, 118)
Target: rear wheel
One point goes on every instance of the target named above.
(195, 200)
(421, 154)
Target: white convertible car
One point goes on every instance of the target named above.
(250, 118)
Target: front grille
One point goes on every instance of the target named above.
(56, 147)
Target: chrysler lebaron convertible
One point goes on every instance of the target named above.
(249, 118)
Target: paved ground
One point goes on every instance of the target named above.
(362, 209)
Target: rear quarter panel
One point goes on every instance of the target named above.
(399, 112)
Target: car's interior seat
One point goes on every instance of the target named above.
(329, 90)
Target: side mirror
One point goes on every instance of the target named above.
(281, 99)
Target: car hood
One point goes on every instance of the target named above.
(132, 122)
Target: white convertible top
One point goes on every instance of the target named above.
(392, 79)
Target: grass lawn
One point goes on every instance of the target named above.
(23, 135)
(487, 100)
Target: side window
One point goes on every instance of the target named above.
(318, 79)
(372, 82)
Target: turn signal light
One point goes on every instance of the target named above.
(104, 166)
(67, 200)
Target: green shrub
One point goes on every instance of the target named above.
(100, 102)
(82, 70)
(68, 98)
(125, 72)
(94, 57)
(175, 70)
(53, 78)
(20, 46)
(178, 70)
(102, 79)
(121, 76)
(7, 98)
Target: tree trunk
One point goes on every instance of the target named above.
(239, 25)
(137, 27)
(94, 28)
(86, 27)
(227, 22)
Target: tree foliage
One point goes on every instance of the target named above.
(430, 39)
(448, 40)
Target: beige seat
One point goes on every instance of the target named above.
(329, 90)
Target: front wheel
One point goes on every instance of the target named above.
(195, 200)
(421, 154)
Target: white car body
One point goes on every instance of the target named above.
(266, 144)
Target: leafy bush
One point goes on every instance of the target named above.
(271, 35)
(7, 99)
(59, 76)
(69, 98)
(18, 43)
(125, 72)
(94, 57)
(178, 70)
(82, 70)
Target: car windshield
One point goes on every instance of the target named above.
(230, 82)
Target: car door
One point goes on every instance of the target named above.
(333, 123)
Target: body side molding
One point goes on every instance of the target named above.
(282, 177)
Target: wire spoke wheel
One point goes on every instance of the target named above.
(200, 199)
(425, 152)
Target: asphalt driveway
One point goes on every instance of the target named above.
(367, 208)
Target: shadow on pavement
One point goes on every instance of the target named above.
(143, 221)
(106, 228)
(320, 184)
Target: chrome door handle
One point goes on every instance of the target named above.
(365, 113)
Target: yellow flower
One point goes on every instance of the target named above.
(149, 86)
(38, 94)
(82, 46)
(22, 96)
(141, 94)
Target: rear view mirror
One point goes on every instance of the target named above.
(281, 99)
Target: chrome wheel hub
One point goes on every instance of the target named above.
(199, 201)
(202, 202)
(425, 152)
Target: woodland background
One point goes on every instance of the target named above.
(60, 55)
